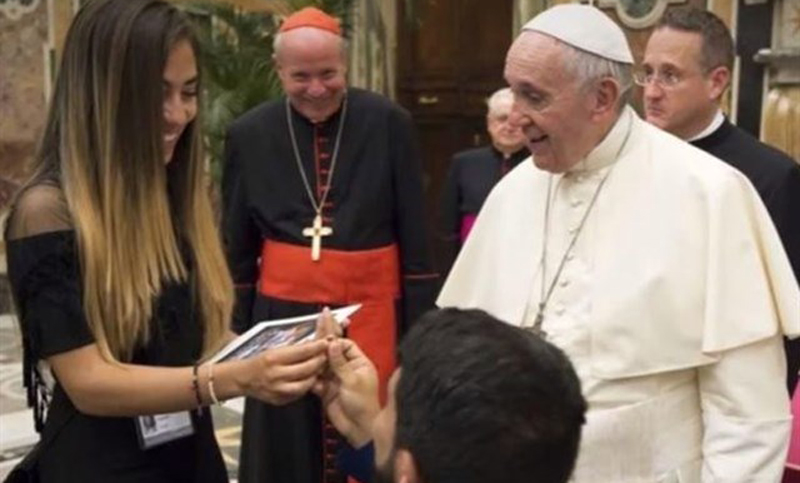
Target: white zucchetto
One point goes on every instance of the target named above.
(585, 28)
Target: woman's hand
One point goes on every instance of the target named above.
(282, 375)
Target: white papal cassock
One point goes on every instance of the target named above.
(671, 305)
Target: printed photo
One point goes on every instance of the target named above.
(272, 337)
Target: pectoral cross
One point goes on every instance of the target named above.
(316, 231)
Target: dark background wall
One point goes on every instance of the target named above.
(754, 32)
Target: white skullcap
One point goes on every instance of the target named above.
(585, 28)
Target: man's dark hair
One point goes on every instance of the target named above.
(479, 400)
(717, 48)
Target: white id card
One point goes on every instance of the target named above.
(157, 429)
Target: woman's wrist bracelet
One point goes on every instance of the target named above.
(211, 391)
(196, 387)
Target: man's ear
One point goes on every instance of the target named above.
(405, 467)
(279, 69)
(719, 79)
(607, 96)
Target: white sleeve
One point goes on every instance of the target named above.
(746, 414)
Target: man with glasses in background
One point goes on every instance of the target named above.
(687, 68)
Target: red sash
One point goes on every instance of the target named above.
(369, 277)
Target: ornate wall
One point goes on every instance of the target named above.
(373, 46)
(23, 54)
(780, 122)
(31, 31)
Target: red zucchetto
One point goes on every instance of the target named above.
(311, 17)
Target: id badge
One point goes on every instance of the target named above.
(157, 429)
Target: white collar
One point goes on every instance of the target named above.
(606, 153)
(719, 118)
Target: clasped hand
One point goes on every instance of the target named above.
(281, 375)
(335, 369)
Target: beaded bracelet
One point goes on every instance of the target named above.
(196, 387)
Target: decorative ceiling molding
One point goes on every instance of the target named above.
(15, 9)
(638, 14)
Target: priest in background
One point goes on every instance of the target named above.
(323, 205)
(474, 172)
(687, 68)
(653, 265)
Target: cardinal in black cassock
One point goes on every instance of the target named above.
(323, 206)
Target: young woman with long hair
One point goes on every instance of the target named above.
(117, 271)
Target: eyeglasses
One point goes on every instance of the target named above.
(664, 79)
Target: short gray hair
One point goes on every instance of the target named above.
(498, 96)
(588, 67)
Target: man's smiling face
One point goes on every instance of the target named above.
(551, 105)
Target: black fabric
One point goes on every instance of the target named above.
(472, 175)
(27, 470)
(44, 274)
(776, 177)
(360, 463)
(376, 199)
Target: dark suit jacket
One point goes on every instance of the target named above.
(776, 177)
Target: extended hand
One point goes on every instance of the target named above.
(327, 326)
(282, 375)
(350, 393)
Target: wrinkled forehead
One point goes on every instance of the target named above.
(537, 59)
(677, 47)
(304, 42)
(531, 45)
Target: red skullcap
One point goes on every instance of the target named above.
(311, 17)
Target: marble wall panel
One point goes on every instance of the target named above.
(22, 93)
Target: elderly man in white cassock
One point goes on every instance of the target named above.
(652, 264)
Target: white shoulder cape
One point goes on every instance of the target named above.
(687, 264)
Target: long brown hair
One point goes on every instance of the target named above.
(132, 213)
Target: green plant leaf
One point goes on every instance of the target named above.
(236, 58)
